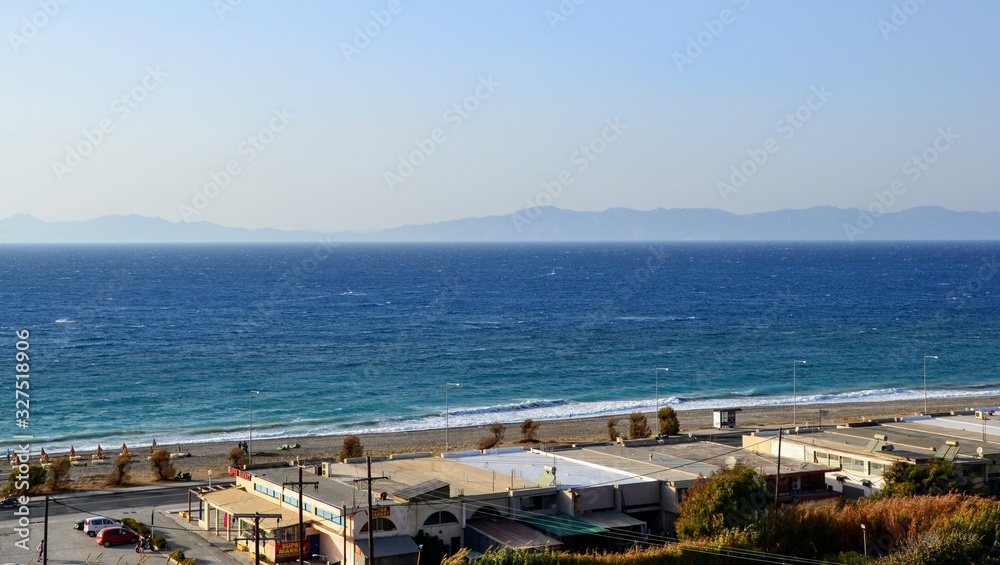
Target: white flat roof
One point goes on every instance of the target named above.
(967, 423)
(530, 465)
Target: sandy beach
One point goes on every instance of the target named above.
(214, 456)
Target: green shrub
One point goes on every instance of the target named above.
(237, 457)
(940, 548)
(529, 430)
(848, 558)
(487, 442)
(498, 431)
(351, 448)
(669, 424)
(638, 426)
(733, 498)
(137, 526)
(613, 429)
(120, 474)
(37, 475)
(161, 465)
(58, 474)
(938, 476)
(158, 542)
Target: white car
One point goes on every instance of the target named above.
(94, 524)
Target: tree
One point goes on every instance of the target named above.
(529, 429)
(731, 498)
(58, 474)
(487, 442)
(667, 418)
(498, 431)
(161, 465)
(638, 426)
(120, 474)
(431, 547)
(237, 457)
(938, 476)
(17, 486)
(351, 448)
(613, 429)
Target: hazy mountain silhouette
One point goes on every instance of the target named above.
(549, 224)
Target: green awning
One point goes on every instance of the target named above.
(562, 525)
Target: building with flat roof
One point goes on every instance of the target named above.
(860, 454)
(595, 497)
(335, 515)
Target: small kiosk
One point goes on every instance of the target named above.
(725, 417)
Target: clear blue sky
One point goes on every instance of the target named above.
(336, 98)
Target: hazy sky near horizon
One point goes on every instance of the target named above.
(361, 115)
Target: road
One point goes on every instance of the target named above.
(67, 545)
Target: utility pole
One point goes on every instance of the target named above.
(302, 528)
(257, 517)
(777, 476)
(45, 534)
(371, 521)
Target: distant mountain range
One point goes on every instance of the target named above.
(549, 224)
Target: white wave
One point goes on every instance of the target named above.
(65, 321)
(538, 410)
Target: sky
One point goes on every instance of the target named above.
(337, 116)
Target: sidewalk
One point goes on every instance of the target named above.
(209, 548)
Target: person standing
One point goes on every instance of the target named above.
(41, 549)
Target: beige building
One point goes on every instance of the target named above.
(860, 454)
(597, 497)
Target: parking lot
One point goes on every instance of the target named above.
(69, 545)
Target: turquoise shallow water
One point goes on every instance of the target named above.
(135, 343)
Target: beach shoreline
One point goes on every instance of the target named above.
(203, 460)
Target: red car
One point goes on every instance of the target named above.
(116, 535)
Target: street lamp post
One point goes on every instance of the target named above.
(926, 357)
(794, 390)
(250, 440)
(446, 387)
(864, 538)
(656, 375)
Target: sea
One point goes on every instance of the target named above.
(136, 343)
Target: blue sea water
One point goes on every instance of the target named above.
(135, 343)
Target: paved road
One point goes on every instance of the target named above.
(67, 545)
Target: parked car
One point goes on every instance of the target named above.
(95, 524)
(116, 535)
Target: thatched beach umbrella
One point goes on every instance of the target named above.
(72, 452)
(153, 446)
(45, 456)
(100, 452)
(124, 448)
